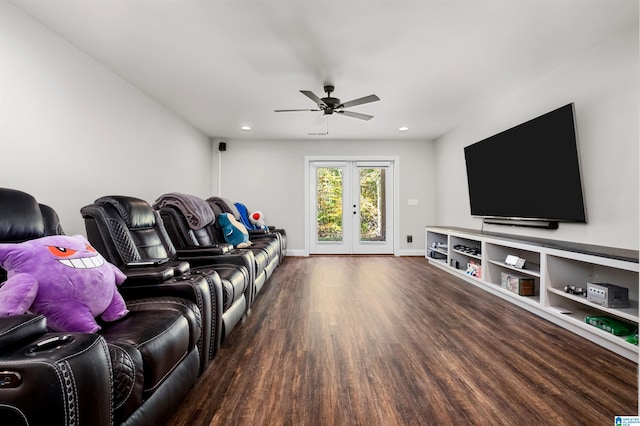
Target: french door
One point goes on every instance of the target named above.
(351, 207)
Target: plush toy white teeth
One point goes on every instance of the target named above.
(83, 263)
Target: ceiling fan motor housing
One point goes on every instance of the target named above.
(330, 102)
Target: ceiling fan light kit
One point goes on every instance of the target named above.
(328, 105)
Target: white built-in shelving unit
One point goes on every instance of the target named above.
(552, 265)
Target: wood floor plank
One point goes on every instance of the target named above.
(382, 340)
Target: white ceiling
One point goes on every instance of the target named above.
(223, 64)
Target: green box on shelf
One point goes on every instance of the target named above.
(613, 326)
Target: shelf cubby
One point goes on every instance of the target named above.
(463, 251)
(497, 254)
(436, 247)
(578, 270)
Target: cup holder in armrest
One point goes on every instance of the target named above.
(10, 379)
(49, 345)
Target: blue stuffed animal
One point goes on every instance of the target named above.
(235, 233)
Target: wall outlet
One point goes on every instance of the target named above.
(409, 238)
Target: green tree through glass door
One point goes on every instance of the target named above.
(329, 203)
(372, 204)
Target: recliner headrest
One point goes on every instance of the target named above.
(51, 221)
(196, 211)
(216, 208)
(226, 206)
(20, 217)
(136, 213)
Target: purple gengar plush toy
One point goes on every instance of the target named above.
(63, 278)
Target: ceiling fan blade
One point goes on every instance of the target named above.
(356, 115)
(360, 101)
(309, 94)
(321, 119)
(294, 110)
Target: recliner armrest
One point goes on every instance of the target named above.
(18, 328)
(261, 233)
(147, 274)
(201, 251)
(147, 262)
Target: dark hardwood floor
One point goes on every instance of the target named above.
(377, 340)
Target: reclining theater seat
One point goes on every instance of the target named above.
(127, 230)
(32, 361)
(255, 230)
(265, 247)
(159, 277)
(257, 236)
(190, 225)
(133, 372)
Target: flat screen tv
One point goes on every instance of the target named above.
(530, 172)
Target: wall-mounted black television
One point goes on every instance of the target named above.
(529, 173)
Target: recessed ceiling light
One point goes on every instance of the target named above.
(245, 128)
(403, 129)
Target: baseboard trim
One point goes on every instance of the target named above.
(411, 253)
(304, 253)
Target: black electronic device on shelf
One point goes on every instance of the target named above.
(578, 291)
(467, 250)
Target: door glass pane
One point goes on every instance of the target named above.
(372, 204)
(329, 203)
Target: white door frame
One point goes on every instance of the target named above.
(342, 158)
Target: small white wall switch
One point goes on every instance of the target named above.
(412, 202)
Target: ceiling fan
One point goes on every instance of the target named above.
(329, 105)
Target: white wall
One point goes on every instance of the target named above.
(603, 84)
(72, 131)
(269, 175)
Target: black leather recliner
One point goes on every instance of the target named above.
(259, 236)
(128, 231)
(266, 247)
(150, 273)
(271, 231)
(190, 225)
(135, 371)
